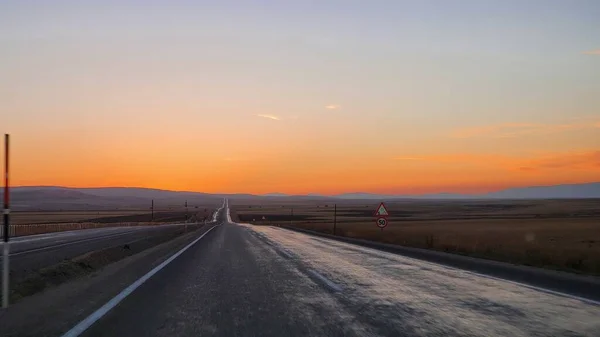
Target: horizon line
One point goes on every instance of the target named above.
(305, 194)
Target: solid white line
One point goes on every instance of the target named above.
(286, 253)
(96, 315)
(110, 236)
(331, 285)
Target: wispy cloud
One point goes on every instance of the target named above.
(572, 160)
(408, 158)
(510, 130)
(592, 52)
(333, 107)
(576, 160)
(452, 158)
(273, 117)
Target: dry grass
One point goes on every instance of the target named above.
(559, 234)
(47, 217)
(29, 223)
(26, 218)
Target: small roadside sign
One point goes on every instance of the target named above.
(381, 210)
(381, 215)
(382, 222)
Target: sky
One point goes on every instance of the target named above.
(302, 97)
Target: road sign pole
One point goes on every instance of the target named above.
(5, 255)
(334, 218)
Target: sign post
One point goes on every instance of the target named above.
(381, 215)
(6, 212)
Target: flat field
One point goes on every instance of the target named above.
(103, 216)
(556, 234)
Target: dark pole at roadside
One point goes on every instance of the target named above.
(334, 217)
(5, 291)
(6, 196)
(152, 213)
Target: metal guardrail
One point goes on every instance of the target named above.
(31, 229)
(22, 229)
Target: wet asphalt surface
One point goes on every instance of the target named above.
(241, 280)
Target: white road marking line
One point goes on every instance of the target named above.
(44, 236)
(287, 253)
(69, 244)
(103, 310)
(421, 262)
(331, 285)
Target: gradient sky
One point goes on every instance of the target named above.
(302, 96)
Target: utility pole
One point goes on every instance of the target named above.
(186, 211)
(334, 217)
(152, 210)
(5, 292)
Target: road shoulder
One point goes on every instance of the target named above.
(583, 286)
(55, 310)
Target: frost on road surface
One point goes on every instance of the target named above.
(417, 298)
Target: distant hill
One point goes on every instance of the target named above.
(63, 198)
(56, 197)
(591, 190)
(571, 191)
(361, 195)
(275, 195)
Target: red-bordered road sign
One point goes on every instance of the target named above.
(382, 222)
(381, 210)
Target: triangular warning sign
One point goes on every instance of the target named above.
(381, 210)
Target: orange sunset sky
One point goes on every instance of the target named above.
(339, 96)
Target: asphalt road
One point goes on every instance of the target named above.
(30, 253)
(242, 280)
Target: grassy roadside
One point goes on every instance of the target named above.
(86, 264)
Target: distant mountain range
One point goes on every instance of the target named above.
(56, 197)
(570, 191)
